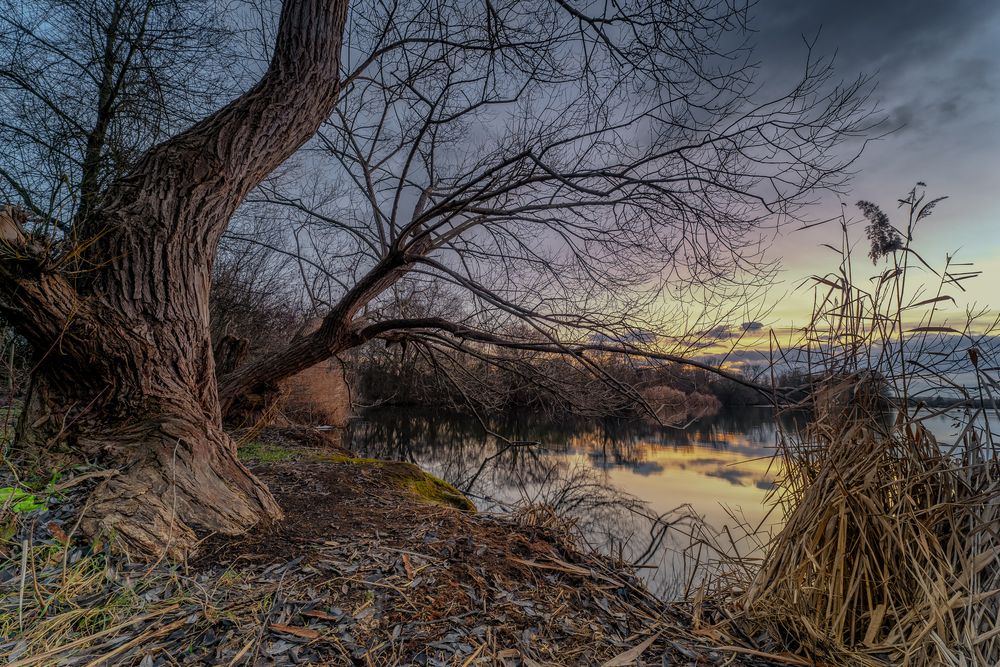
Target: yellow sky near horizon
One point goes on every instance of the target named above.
(791, 299)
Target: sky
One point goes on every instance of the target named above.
(937, 67)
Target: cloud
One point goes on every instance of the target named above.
(634, 337)
(724, 331)
(720, 332)
(736, 358)
(935, 63)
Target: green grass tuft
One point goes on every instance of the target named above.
(258, 452)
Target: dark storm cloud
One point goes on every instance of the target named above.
(937, 69)
(933, 60)
(872, 29)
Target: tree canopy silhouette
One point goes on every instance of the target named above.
(565, 165)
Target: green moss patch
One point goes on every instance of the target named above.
(410, 477)
(258, 452)
(438, 491)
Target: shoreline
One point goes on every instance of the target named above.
(369, 567)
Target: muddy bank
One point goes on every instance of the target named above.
(375, 564)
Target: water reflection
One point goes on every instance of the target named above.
(621, 481)
(626, 484)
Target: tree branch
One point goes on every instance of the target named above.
(333, 335)
(40, 303)
(219, 160)
(386, 328)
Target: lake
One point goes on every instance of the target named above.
(631, 487)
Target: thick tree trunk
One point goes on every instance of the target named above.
(125, 374)
(176, 474)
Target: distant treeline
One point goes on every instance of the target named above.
(955, 402)
(621, 387)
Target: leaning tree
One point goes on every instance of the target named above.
(563, 163)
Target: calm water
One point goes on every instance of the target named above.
(623, 482)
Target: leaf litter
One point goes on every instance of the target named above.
(360, 573)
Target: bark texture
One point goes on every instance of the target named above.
(125, 373)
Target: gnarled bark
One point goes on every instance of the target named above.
(125, 373)
(176, 470)
(183, 479)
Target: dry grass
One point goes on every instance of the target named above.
(672, 406)
(406, 583)
(83, 604)
(318, 395)
(889, 549)
(889, 553)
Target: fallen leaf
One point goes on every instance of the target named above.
(408, 566)
(298, 632)
(58, 532)
(322, 615)
(709, 632)
(631, 655)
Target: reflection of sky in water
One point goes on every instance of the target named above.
(722, 467)
(717, 466)
(948, 429)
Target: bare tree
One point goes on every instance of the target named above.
(255, 302)
(591, 179)
(562, 163)
(88, 86)
(120, 320)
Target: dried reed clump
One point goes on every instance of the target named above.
(319, 395)
(889, 550)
